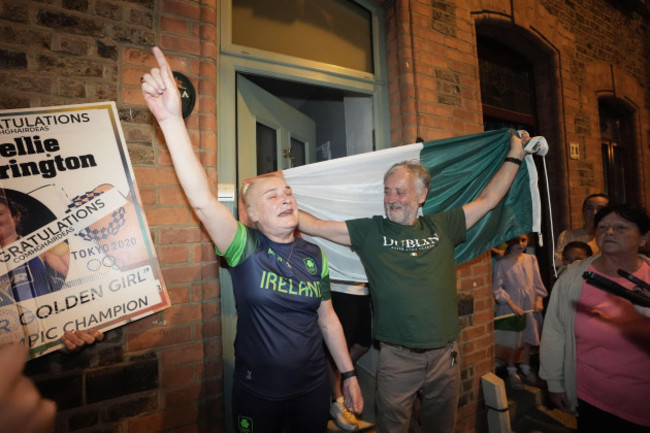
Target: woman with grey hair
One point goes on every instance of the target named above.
(595, 347)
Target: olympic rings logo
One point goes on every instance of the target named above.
(105, 264)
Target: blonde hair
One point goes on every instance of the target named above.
(248, 188)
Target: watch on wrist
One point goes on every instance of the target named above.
(348, 374)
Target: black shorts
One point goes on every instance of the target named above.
(355, 317)
(308, 412)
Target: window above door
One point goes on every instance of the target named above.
(339, 36)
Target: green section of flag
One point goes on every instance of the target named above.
(512, 323)
(460, 168)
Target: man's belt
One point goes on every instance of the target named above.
(411, 349)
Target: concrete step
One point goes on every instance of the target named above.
(531, 412)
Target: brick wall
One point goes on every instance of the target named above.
(164, 373)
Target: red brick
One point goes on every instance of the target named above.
(178, 294)
(158, 338)
(173, 377)
(207, 104)
(180, 44)
(180, 7)
(208, 122)
(211, 309)
(173, 254)
(182, 274)
(213, 348)
(184, 396)
(176, 235)
(183, 354)
(483, 316)
(172, 196)
(205, 291)
(158, 176)
(148, 323)
(195, 31)
(132, 95)
(164, 158)
(147, 196)
(213, 368)
(174, 25)
(168, 216)
(208, 329)
(182, 313)
(132, 76)
(187, 429)
(161, 421)
(472, 332)
(205, 252)
(210, 271)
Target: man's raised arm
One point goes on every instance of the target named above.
(498, 186)
(335, 231)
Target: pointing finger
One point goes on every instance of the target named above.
(165, 69)
(160, 57)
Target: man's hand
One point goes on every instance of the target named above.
(22, 409)
(517, 145)
(560, 400)
(353, 399)
(525, 136)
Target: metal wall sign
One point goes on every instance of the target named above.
(188, 94)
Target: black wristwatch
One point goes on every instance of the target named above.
(348, 374)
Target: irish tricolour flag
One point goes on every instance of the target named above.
(352, 187)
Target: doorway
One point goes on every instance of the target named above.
(282, 123)
(271, 134)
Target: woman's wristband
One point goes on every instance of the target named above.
(348, 374)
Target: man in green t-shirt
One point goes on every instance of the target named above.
(409, 261)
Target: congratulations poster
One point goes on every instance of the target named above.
(75, 249)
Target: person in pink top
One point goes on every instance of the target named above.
(595, 349)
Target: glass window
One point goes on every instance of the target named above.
(617, 138)
(267, 149)
(506, 81)
(297, 152)
(614, 171)
(340, 31)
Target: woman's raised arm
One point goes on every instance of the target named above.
(163, 99)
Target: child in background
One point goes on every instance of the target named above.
(573, 252)
(518, 289)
